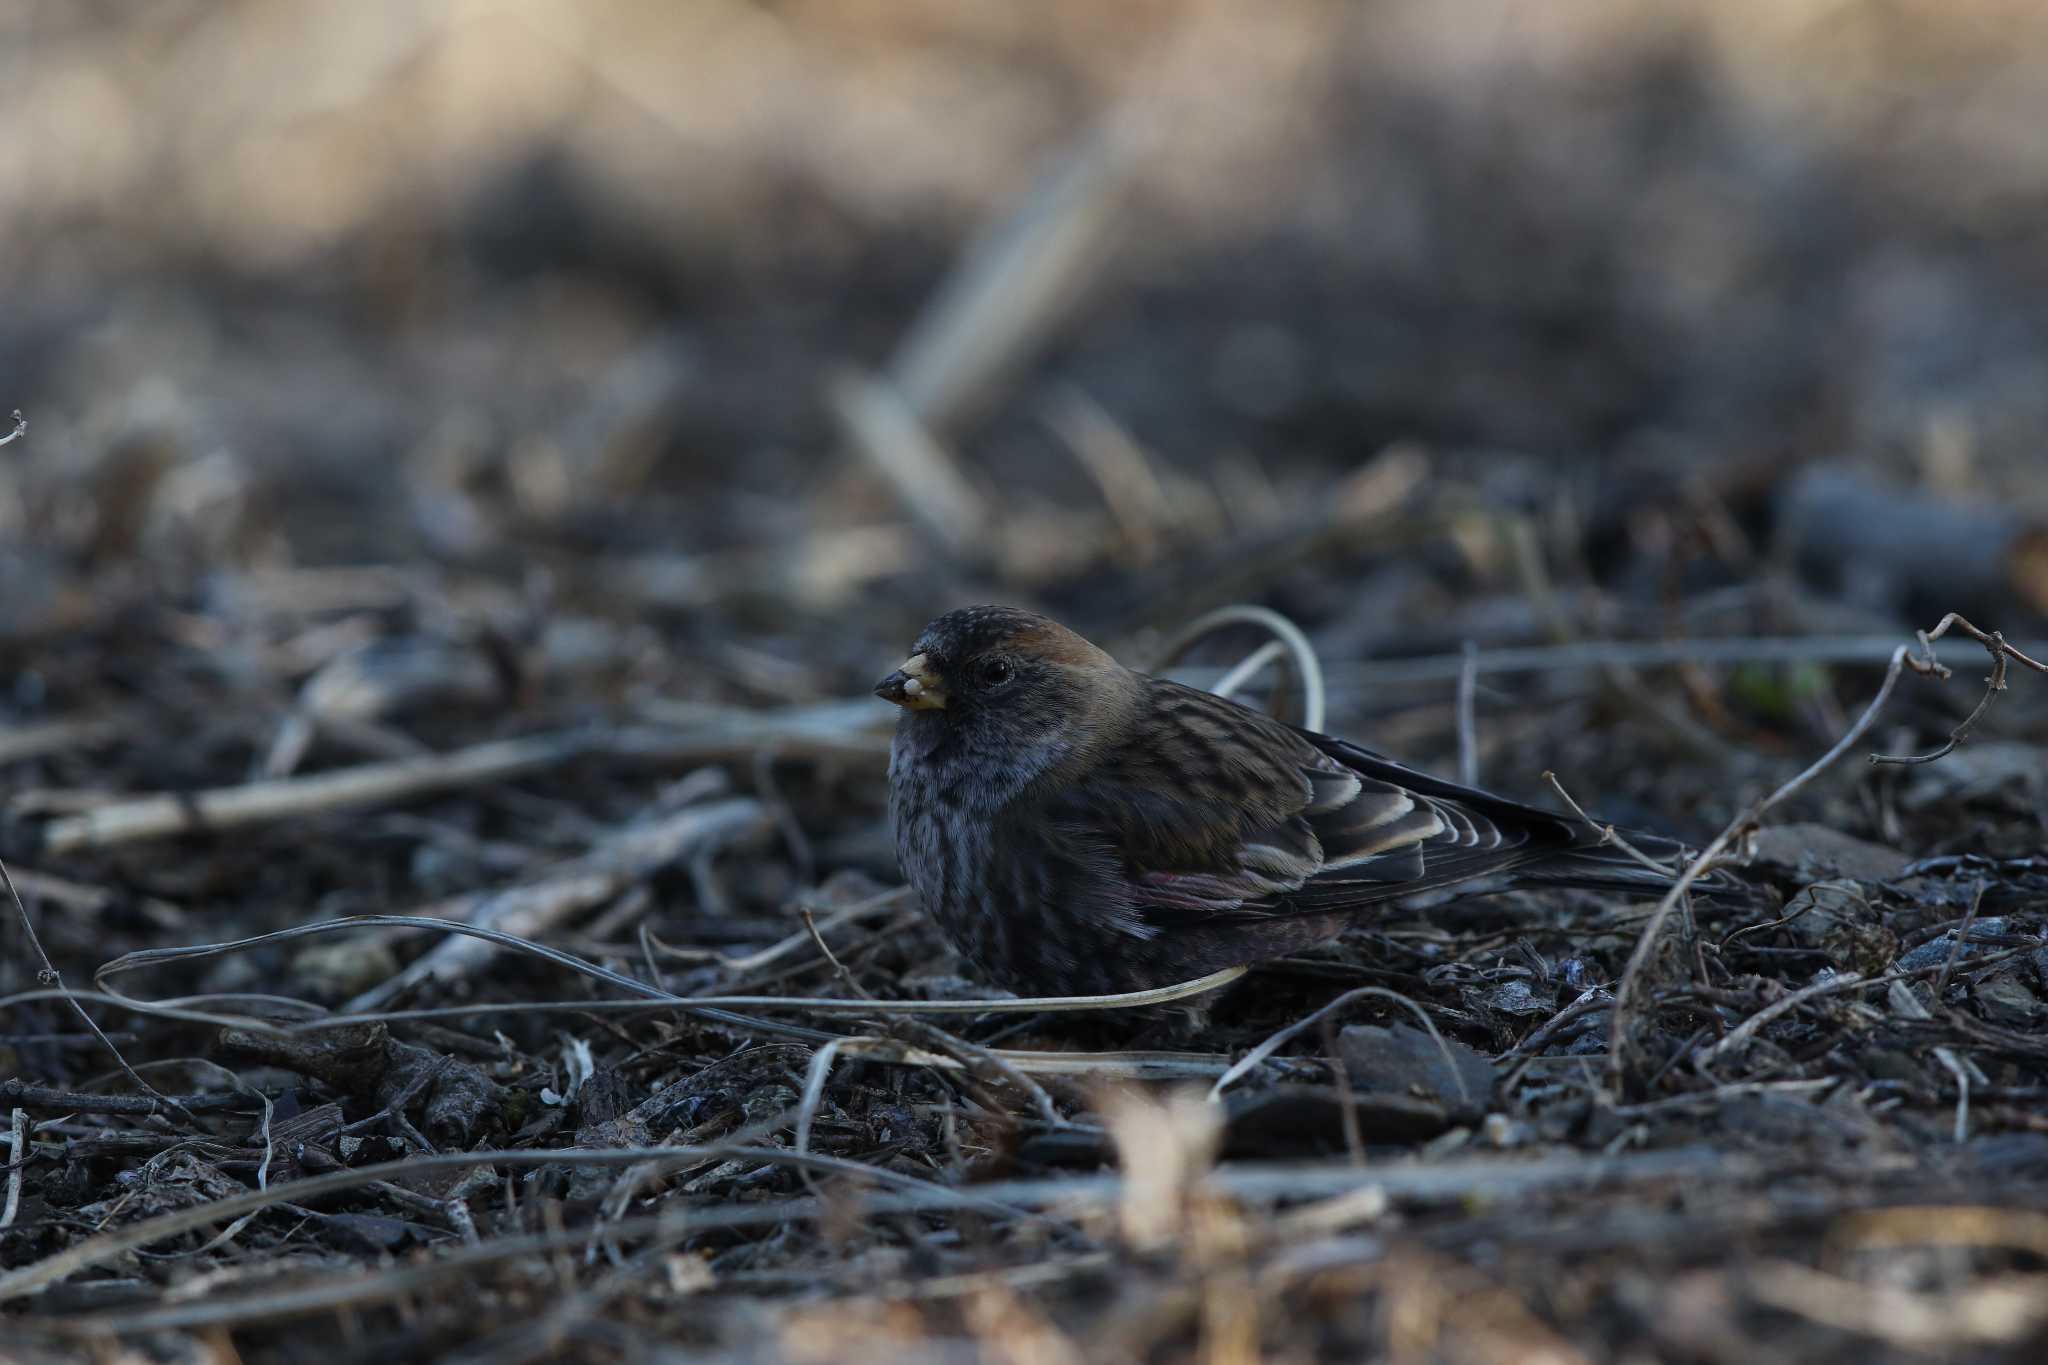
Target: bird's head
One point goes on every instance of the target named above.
(1004, 688)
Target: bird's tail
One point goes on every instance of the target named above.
(1552, 848)
(1642, 864)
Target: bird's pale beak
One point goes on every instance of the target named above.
(914, 687)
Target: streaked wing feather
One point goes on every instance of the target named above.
(1218, 809)
(1222, 815)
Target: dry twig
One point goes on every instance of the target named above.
(1736, 831)
(1468, 726)
(50, 976)
(17, 1162)
(1927, 665)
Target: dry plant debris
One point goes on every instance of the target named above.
(482, 455)
(714, 1140)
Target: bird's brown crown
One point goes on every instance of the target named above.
(972, 631)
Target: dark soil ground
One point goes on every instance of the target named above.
(476, 468)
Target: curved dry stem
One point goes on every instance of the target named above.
(1314, 695)
(1248, 668)
(1278, 1040)
(1128, 1063)
(710, 1005)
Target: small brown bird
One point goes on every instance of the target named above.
(1076, 827)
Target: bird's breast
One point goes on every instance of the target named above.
(977, 868)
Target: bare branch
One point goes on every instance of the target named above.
(1737, 830)
(2000, 651)
(17, 1161)
(50, 976)
(1468, 727)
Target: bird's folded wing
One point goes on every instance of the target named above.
(1221, 811)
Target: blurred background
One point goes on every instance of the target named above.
(632, 379)
(537, 361)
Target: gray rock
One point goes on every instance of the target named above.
(1403, 1060)
(1515, 996)
(1935, 952)
(1819, 852)
(2005, 999)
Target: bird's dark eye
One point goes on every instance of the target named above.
(996, 672)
